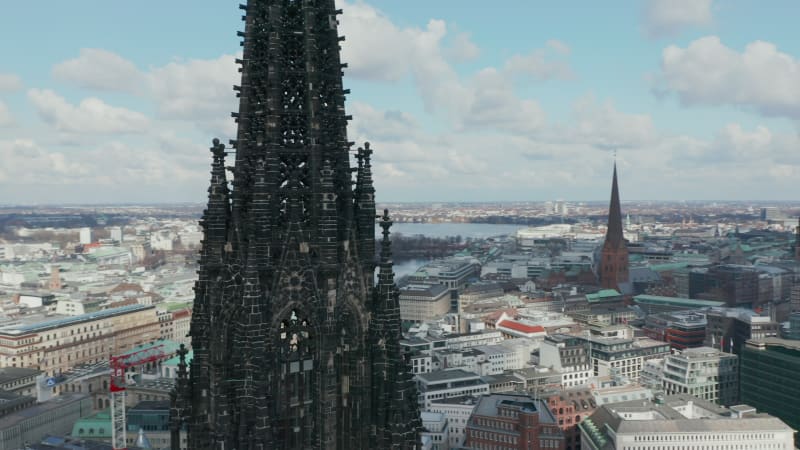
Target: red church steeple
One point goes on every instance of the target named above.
(614, 260)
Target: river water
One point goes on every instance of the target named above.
(465, 230)
(439, 230)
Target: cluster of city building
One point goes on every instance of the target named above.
(75, 300)
(566, 336)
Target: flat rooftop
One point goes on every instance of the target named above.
(9, 374)
(37, 327)
(446, 375)
(774, 342)
(675, 301)
(678, 414)
(41, 408)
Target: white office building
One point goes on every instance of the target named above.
(682, 422)
(435, 430)
(448, 383)
(703, 372)
(457, 410)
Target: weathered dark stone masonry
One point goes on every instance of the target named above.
(296, 346)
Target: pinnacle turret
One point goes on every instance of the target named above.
(365, 209)
(397, 417)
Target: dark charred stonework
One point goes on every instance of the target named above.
(295, 344)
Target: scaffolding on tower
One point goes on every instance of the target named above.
(119, 368)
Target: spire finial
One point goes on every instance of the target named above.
(217, 148)
(386, 223)
(386, 244)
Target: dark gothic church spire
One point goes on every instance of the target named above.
(614, 231)
(614, 257)
(295, 346)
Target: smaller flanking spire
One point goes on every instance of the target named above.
(394, 394)
(365, 210)
(179, 407)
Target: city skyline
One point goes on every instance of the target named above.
(92, 111)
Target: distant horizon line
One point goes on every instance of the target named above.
(766, 203)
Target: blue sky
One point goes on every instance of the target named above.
(525, 100)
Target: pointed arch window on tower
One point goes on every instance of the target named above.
(295, 343)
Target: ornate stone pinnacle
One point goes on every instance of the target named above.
(386, 223)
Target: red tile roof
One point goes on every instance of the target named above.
(181, 313)
(521, 327)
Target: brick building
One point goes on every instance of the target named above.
(570, 407)
(513, 422)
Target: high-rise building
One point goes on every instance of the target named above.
(729, 328)
(115, 233)
(768, 377)
(770, 213)
(295, 346)
(614, 258)
(734, 284)
(85, 235)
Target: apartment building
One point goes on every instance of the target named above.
(703, 372)
(55, 345)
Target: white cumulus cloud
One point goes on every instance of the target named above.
(707, 72)
(99, 69)
(197, 90)
(90, 116)
(10, 82)
(5, 116)
(667, 17)
(462, 48)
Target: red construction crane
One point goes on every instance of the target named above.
(119, 367)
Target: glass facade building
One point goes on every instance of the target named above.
(769, 378)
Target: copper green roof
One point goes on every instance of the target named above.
(173, 306)
(166, 346)
(602, 295)
(96, 426)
